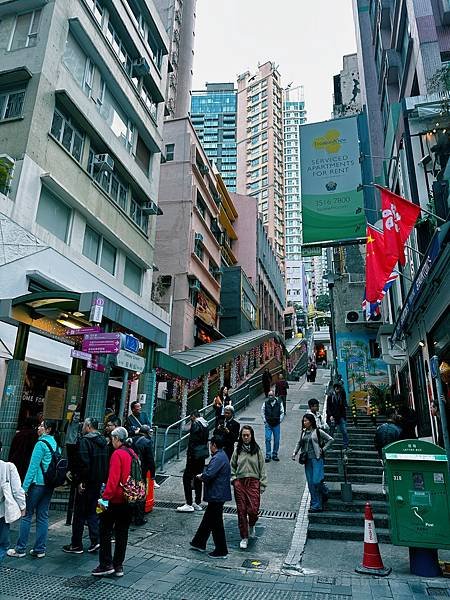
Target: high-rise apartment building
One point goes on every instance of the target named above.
(213, 115)
(294, 114)
(81, 111)
(347, 88)
(178, 17)
(260, 147)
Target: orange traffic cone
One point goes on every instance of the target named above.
(150, 498)
(372, 563)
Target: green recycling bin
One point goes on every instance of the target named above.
(417, 479)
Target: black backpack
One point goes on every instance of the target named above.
(55, 475)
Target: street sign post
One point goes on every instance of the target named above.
(130, 343)
(83, 330)
(129, 361)
(96, 313)
(82, 355)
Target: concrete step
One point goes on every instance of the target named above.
(357, 506)
(356, 469)
(346, 518)
(367, 492)
(354, 455)
(363, 462)
(348, 533)
(353, 478)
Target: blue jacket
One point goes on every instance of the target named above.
(41, 456)
(216, 477)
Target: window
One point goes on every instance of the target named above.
(11, 104)
(150, 104)
(66, 133)
(116, 118)
(26, 30)
(79, 64)
(91, 244)
(133, 276)
(170, 151)
(198, 248)
(201, 206)
(53, 214)
(97, 10)
(143, 155)
(119, 48)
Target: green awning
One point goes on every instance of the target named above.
(190, 364)
(293, 343)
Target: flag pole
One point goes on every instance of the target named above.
(428, 212)
(402, 275)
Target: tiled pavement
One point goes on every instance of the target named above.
(158, 565)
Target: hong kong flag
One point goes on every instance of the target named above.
(378, 266)
(399, 217)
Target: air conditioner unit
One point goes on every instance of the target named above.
(165, 280)
(355, 316)
(150, 208)
(103, 162)
(140, 67)
(198, 238)
(194, 284)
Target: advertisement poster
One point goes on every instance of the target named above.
(332, 206)
(206, 310)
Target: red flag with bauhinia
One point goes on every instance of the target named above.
(399, 217)
(378, 266)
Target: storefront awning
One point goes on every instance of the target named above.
(197, 361)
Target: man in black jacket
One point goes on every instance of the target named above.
(91, 473)
(143, 445)
(337, 411)
(387, 433)
(197, 453)
(228, 429)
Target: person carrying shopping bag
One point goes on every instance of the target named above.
(249, 479)
(313, 444)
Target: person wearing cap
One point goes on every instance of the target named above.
(143, 446)
(228, 429)
(116, 513)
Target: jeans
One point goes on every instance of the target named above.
(117, 518)
(4, 538)
(194, 466)
(212, 522)
(342, 424)
(38, 500)
(314, 476)
(85, 512)
(269, 431)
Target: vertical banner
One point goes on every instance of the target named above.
(332, 206)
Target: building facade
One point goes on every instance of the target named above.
(257, 257)
(178, 17)
(407, 57)
(239, 302)
(347, 88)
(260, 148)
(81, 112)
(214, 114)
(188, 239)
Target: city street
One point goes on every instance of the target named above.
(277, 565)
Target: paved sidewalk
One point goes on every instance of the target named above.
(159, 564)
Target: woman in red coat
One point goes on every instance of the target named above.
(117, 514)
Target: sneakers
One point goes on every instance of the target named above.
(13, 552)
(275, 458)
(94, 547)
(102, 571)
(215, 554)
(37, 554)
(185, 508)
(196, 506)
(72, 549)
(268, 459)
(251, 531)
(156, 486)
(243, 544)
(196, 548)
(118, 572)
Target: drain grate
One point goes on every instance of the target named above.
(437, 591)
(247, 419)
(79, 582)
(231, 510)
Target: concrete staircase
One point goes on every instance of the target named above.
(345, 521)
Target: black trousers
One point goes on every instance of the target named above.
(212, 523)
(117, 518)
(194, 466)
(84, 511)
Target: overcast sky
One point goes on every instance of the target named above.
(306, 39)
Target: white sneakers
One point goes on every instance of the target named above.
(251, 531)
(197, 506)
(185, 508)
(244, 544)
(15, 554)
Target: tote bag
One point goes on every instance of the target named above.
(12, 510)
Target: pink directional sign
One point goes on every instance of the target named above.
(84, 330)
(101, 346)
(102, 336)
(94, 366)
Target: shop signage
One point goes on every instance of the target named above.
(206, 309)
(332, 197)
(54, 403)
(81, 355)
(96, 313)
(308, 251)
(129, 361)
(83, 330)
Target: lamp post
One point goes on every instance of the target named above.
(331, 280)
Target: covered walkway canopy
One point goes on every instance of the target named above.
(190, 364)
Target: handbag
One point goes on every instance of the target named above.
(302, 458)
(12, 509)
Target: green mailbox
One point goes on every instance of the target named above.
(417, 479)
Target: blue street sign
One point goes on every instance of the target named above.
(130, 343)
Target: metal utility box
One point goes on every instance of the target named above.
(417, 480)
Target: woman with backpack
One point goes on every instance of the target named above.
(116, 509)
(312, 445)
(38, 493)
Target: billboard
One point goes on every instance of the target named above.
(332, 206)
